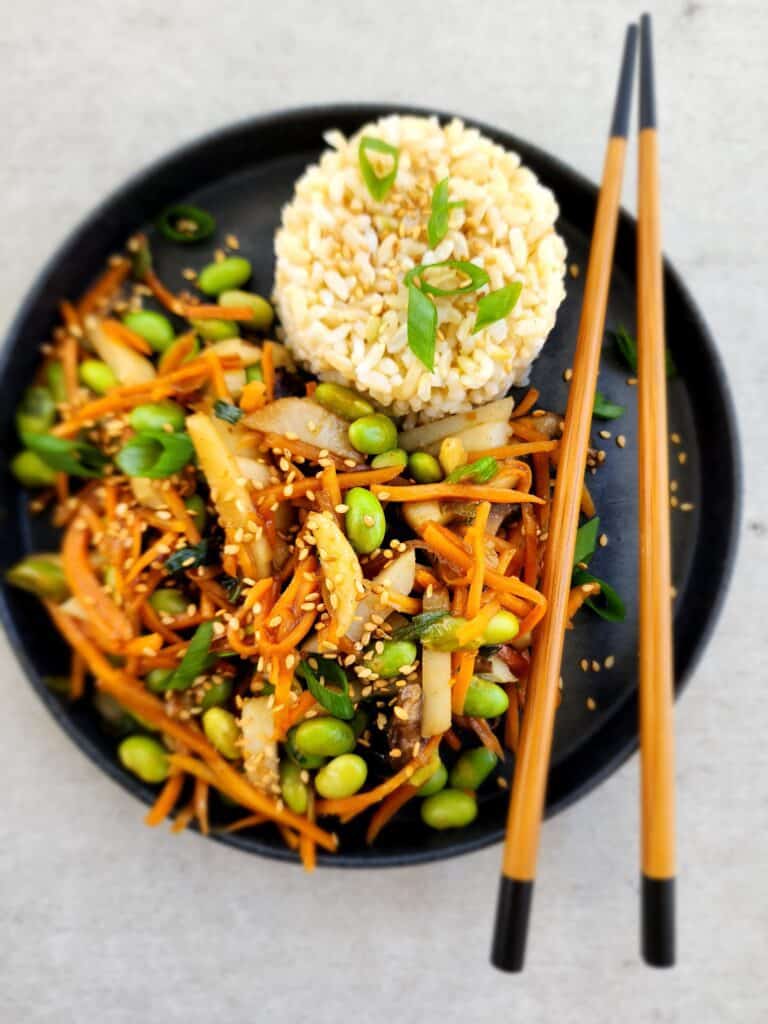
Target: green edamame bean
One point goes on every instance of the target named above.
(216, 330)
(422, 775)
(364, 521)
(155, 416)
(168, 601)
(157, 679)
(196, 508)
(218, 693)
(450, 808)
(30, 470)
(502, 628)
(54, 376)
(342, 401)
(341, 777)
(485, 699)
(396, 457)
(292, 788)
(221, 728)
(393, 658)
(97, 376)
(144, 757)
(36, 411)
(373, 434)
(472, 768)
(263, 314)
(223, 277)
(41, 575)
(154, 328)
(424, 468)
(254, 372)
(435, 782)
(299, 758)
(324, 737)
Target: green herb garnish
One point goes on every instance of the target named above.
(422, 327)
(586, 541)
(607, 604)
(479, 472)
(437, 228)
(419, 625)
(338, 704)
(155, 454)
(78, 458)
(186, 224)
(226, 411)
(627, 347)
(195, 659)
(379, 187)
(477, 277)
(187, 558)
(605, 409)
(496, 305)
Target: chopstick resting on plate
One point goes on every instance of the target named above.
(532, 766)
(656, 679)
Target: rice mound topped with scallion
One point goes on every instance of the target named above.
(342, 257)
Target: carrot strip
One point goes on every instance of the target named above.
(69, 367)
(192, 310)
(253, 397)
(159, 549)
(526, 403)
(268, 369)
(462, 679)
(295, 714)
(179, 511)
(579, 595)
(218, 380)
(82, 581)
(531, 535)
(250, 821)
(387, 809)
(299, 488)
(587, 503)
(166, 800)
(125, 336)
(516, 451)
(153, 622)
(301, 450)
(147, 644)
(486, 735)
(478, 555)
(457, 492)
(77, 677)
(175, 355)
(532, 619)
(200, 800)
(104, 287)
(452, 740)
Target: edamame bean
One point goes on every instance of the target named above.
(341, 777)
(218, 693)
(485, 699)
(450, 808)
(196, 508)
(254, 372)
(396, 457)
(157, 679)
(435, 782)
(155, 416)
(324, 737)
(30, 470)
(144, 757)
(36, 411)
(424, 468)
(472, 768)
(41, 575)
(224, 276)
(396, 654)
(216, 330)
(292, 787)
(364, 521)
(97, 376)
(373, 434)
(422, 775)
(221, 728)
(168, 601)
(302, 760)
(342, 401)
(502, 628)
(154, 328)
(263, 314)
(54, 375)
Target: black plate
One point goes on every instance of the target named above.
(244, 174)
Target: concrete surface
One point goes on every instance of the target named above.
(104, 920)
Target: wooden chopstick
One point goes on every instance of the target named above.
(532, 766)
(656, 655)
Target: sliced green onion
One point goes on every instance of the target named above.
(477, 277)
(186, 224)
(422, 327)
(419, 625)
(155, 454)
(437, 228)
(226, 411)
(187, 558)
(605, 409)
(480, 471)
(338, 704)
(627, 347)
(195, 659)
(78, 458)
(379, 187)
(232, 585)
(607, 604)
(496, 305)
(586, 541)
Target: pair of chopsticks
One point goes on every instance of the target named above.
(656, 665)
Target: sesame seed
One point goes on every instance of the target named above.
(682, 458)
(687, 506)
(574, 270)
(605, 434)
(673, 485)
(567, 374)
(595, 665)
(675, 438)
(609, 662)
(631, 381)
(621, 441)
(584, 665)
(673, 501)
(591, 703)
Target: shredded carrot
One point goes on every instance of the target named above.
(62, 488)
(268, 369)
(587, 504)
(69, 367)
(299, 488)
(299, 709)
(387, 809)
(166, 800)
(253, 397)
(200, 800)
(330, 485)
(179, 510)
(81, 579)
(462, 679)
(301, 450)
(486, 735)
(192, 310)
(401, 603)
(77, 677)
(516, 451)
(349, 807)
(249, 821)
(579, 595)
(218, 380)
(104, 287)
(475, 627)
(532, 619)
(478, 556)
(183, 818)
(452, 740)
(307, 852)
(457, 492)
(542, 487)
(176, 354)
(147, 643)
(152, 621)
(160, 549)
(531, 536)
(525, 404)
(424, 578)
(125, 336)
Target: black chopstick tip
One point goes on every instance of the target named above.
(623, 105)
(657, 898)
(647, 83)
(513, 908)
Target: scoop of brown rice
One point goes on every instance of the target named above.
(342, 257)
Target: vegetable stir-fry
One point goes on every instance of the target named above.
(269, 591)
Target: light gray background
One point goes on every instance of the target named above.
(104, 920)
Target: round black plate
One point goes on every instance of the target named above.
(244, 174)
